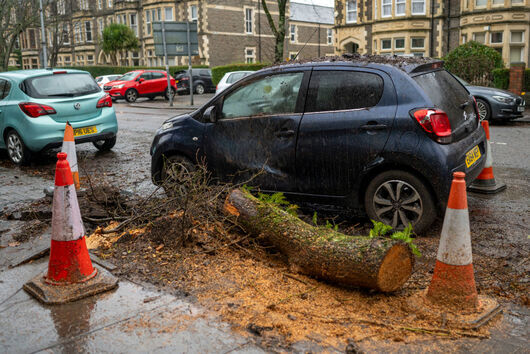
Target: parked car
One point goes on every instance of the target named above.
(36, 104)
(494, 103)
(229, 78)
(202, 81)
(102, 80)
(140, 83)
(337, 132)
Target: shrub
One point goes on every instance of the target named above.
(474, 62)
(219, 71)
(526, 87)
(110, 70)
(501, 78)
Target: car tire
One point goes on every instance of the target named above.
(172, 93)
(484, 109)
(131, 95)
(106, 144)
(174, 168)
(397, 197)
(17, 151)
(199, 89)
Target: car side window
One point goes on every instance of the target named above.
(157, 75)
(146, 76)
(5, 87)
(273, 94)
(342, 90)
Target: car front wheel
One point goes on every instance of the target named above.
(199, 89)
(106, 144)
(16, 149)
(131, 95)
(398, 198)
(484, 110)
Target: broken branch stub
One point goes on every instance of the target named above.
(376, 263)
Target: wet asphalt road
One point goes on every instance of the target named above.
(123, 321)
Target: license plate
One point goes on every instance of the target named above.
(520, 109)
(472, 156)
(85, 131)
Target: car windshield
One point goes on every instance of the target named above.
(129, 76)
(67, 85)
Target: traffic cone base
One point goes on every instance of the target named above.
(50, 294)
(487, 309)
(448, 284)
(68, 263)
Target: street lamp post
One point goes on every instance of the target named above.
(43, 36)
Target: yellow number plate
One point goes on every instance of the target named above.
(472, 156)
(85, 131)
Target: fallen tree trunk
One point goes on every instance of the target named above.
(376, 263)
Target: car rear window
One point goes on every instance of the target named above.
(446, 93)
(342, 90)
(234, 77)
(66, 85)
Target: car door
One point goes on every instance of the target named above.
(255, 134)
(347, 120)
(4, 90)
(146, 86)
(159, 81)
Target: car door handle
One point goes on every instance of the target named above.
(285, 133)
(373, 126)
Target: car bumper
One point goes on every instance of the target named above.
(507, 111)
(115, 93)
(47, 133)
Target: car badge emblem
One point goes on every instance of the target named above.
(77, 106)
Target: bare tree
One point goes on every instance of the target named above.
(277, 29)
(58, 27)
(15, 17)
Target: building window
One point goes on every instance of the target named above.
(517, 37)
(517, 1)
(83, 4)
(88, 31)
(158, 14)
(418, 7)
(399, 43)
(61, 7)
(101, 25)
(168, 14)
(134, 24)
(77, 33)
(100, 4)
(400, 7)
(464, 38)
(516, 54)
(351, 11)
(330, 36)
(479, 37)
(248, 21)
(418, 43)
(90, 59)
(109, 4)
(496, 37)
(418, 54)
(376, 14)
(66, 34)
(481, 2)
(192, 13)
(292, 33)
(250, 55)
(387, 8)
(148, 22)
(386, 44)
(498, 2)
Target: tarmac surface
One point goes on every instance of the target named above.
(139, 318)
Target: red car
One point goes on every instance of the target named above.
(140, 83)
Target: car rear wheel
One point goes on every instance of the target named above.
(172, 93)
(131, 95)
(106, 144)
(199, 89)
(398, 198)
(16, 149)
(484, 110)
(175, 171)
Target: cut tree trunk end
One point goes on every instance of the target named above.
(377, 263)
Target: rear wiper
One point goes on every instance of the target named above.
(62, 95)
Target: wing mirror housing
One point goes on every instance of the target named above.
(140, 80)
(210, 115)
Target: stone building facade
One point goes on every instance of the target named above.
(432, 27)
(229, 31)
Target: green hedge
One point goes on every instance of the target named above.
(527, 83)
(219, 71)
(109, 70)
(501, 78)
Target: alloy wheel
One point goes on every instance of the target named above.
(14, 148)
(482, 110)
(199, 89)
(397, 204)
(131, 95)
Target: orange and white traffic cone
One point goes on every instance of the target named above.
(69, 148)
(71, 275)
(485, 181)
(453, 281)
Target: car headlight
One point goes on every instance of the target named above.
(118, 86)
(167, 125)
(504, 99)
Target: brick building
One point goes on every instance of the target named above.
(229, 31)
(432, 27)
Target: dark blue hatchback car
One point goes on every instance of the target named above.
(378, 134)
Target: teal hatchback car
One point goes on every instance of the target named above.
(36, 104)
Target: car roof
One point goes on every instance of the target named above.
(21, 75)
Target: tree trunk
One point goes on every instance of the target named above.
(376, 263)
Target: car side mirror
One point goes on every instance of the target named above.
(210, 115)
(140, 80)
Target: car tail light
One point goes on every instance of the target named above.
(435, 122)
(35, 110)
(184, 79)
(105, 101)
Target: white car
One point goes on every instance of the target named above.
(102, 80)
(229, 78)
